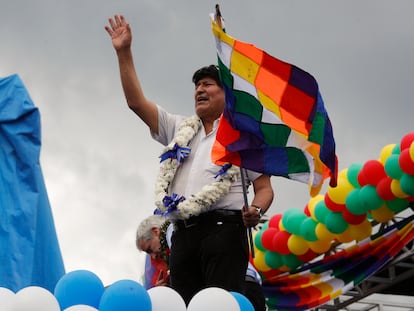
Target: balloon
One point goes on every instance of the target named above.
(361, 231)
(307, 230)
(292, 220)
(125, 295)
(291, 261)
(333, 206)
(321, 211)
(258, 240)
(273, 259)
(382, 214)
(406, 141)
(372, 171)
(34, 298)
(336, 223)
(411, 150)
(280, 242)
(79, 287)
(406, 162)
(323, 233)
(338, 194)
(321, 246)
(396, 189)
(352, 174)
(274, 221)
(353, 219)
(407, 184)
(308, 256)
(267, 238)
(259, 261)
(384, 189)
(312, 204)
(213, 298)
(81, 308)
(297, 245)
(370, 198)
(6, 298)
(345, 237)
(397, 205)
(244, 302)
(165, 298)
(354, 204)
(386, 151)
(392, 167)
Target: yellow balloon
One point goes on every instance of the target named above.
(297, 245)
(323, 233)
(382, 214)
(259, 261)
(320, 246)
(343, 173)
(312, 203)
(396, 189)
(346, 236)
(339, 193)
(411, 151)
(361, 231)
(386, 151)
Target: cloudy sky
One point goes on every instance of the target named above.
(98, 160)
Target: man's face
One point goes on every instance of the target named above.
(153, 246)
(209, 99)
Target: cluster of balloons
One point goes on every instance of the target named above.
(82, 290)
(375, 190)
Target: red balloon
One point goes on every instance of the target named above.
(267, 238)
(334, 207)
(384, 189)
(308, 256)
(280, 242)
(406, 141)
(352, 218)
(307, 211)
(405, 162)
(274, 221)
(372, 172)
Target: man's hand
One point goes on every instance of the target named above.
(120, 32)
(251, 216)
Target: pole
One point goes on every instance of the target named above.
(246, 207)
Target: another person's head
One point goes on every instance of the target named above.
(148, 235)
(209, 95)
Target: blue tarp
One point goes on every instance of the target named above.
(29, 249)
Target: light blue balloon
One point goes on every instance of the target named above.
(244, 302)
(79, 287)
(125, 295)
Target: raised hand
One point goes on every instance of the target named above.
(120, 32)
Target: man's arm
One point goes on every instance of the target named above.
(263, 197)
(121, 36)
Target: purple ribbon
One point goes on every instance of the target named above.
(223, 170)
(179, 153)
(171, 203)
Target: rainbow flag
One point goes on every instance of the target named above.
(274, 121)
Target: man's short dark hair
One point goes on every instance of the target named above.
(210, 71)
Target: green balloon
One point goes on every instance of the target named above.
(336, 223)
(354, 204)
(352, 174)
(292, 220)
(291, 260)
(258, 241)
(370, 198)
(273, 260)
(407, 184)
(307, 230)
(392, 167)
(321, 211)
(397, 205)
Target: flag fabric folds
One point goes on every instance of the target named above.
(274, 121)
(29, 249)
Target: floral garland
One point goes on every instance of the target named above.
(179, 207)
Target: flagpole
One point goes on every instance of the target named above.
(246, 208)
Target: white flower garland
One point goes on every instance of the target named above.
(207, 196)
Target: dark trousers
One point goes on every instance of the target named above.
(211, 253)
(253, 291)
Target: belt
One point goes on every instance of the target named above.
(214, 216)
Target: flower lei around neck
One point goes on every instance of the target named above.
(179, 207)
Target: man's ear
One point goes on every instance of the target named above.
(155, 231)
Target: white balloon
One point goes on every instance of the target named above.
(80, 308)
(34, 298)
(213, 298)
(164, 298)
(6, 298)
